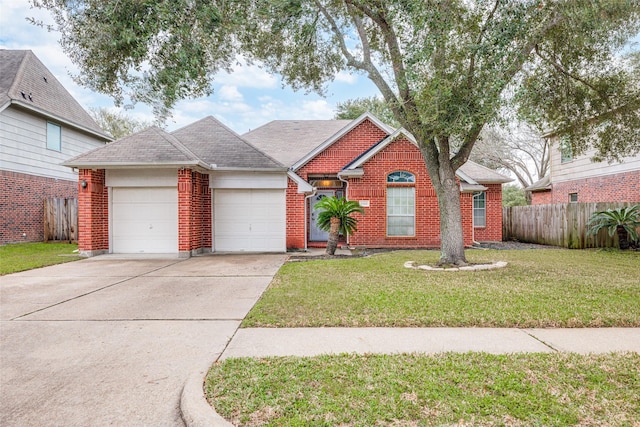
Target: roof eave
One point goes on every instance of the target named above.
(134, 165)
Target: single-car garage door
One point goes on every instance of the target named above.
(252, 220)
(144, 220)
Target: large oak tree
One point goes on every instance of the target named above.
(446, 67)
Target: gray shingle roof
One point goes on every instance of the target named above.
(290, 140)
(216, 144)
(25, 81)
(206, 143)
(483, 175)
(150, 147)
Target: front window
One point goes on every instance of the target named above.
(479, 210)
(401, 205)
(54, 137)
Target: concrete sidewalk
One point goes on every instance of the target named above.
(266, 342)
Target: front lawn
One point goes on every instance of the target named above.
(17, 257)
(539, 288)
(422, 390)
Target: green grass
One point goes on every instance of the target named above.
(420, 390)
(539, 288)
(26, 256)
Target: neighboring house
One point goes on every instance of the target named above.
(203, 188)
(41, 126)
(579, 180)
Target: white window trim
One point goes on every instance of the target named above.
(413, 215)
(483, 209)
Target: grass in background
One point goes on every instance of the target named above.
(17, 257)
(446, 389)
(539, 288)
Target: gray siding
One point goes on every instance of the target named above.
(582, 166)
(23, 145)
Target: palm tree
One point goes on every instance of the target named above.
(335, 218)
(624, 221)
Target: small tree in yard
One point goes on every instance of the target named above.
(335, 217)
(624, 221)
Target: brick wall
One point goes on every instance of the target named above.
(493, 230)
(194, 212)
(93, 212)
(622, 187)
(22, 204)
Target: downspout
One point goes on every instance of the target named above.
(346, 196)
(306, 203)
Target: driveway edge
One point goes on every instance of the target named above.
(195, 410)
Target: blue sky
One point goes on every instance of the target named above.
(243, 100)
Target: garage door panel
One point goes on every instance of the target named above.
(251, 220)
(144, 220)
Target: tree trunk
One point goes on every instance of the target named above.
(443, 178)
(334, 232)
(451, 232)
(623, 238)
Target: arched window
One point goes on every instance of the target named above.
(401, 204)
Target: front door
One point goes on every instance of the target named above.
(315, 233)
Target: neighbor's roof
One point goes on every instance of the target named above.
(27, 83)
(541, 185)
(482, 174)
(206, 143)
(216, 144)
(290, 140)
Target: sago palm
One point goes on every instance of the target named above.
(624, 221)
(335, 217)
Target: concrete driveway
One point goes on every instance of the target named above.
(111, 341)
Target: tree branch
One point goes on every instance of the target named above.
(567, 73)
(483, 30)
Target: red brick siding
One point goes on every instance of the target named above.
(22, 204)
(295, 216)
(93, 211)
(541, 198)
(622, 187)
(493, 230)
(194, 211)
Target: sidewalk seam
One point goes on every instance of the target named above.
(540, 341)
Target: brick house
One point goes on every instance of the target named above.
(41, 125)
(383, 169)
(204, 188)
(576, 179)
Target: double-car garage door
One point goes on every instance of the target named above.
(145, 220)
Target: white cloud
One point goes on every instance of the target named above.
(247, 76)
(229, 93)
(345, 77)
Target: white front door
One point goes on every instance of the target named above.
(315, 233)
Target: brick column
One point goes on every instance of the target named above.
(185, 195)
(93, 212)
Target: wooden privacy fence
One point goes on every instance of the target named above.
(61, 220)
(558, 225)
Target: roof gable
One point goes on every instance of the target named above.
(220, 147)
(26, 82)
(471, 172)
(345, 130)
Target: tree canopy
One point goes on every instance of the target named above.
(445, 68)
(117, 124)
(351, 109)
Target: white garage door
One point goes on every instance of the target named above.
(249, 220)
(144, 220)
